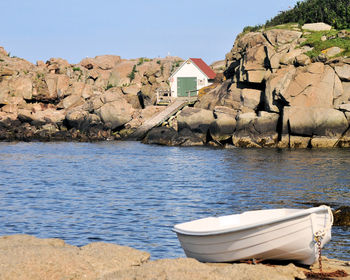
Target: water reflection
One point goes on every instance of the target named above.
(132, 194)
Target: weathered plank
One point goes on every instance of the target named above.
(162, 116)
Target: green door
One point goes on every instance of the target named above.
(186, 84)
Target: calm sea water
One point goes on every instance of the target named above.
(132, 194)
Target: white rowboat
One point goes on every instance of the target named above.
(277, 234)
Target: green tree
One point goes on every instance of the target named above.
(333, 12)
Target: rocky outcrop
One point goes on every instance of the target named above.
(224, 124)
(102, 62)
(342, 216)
(218, 66)
(256, 130)
(28, 258)
(306, 95)
(278, 96)
(170, 137)
(315, 85)
(274, 95)
(195, 119)
(161, 136)
(307, 121)
(97, 99)
(319, 26)
(192, 269)
(115, 110)
(224, 95)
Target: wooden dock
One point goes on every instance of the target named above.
(161, 117)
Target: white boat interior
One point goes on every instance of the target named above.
(224, 224)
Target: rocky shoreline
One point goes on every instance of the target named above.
(101, 98)
(274, 94)
(271, 91)
(27, 257)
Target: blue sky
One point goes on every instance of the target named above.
(75, 29)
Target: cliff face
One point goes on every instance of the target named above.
(99, 98)
(278, 97)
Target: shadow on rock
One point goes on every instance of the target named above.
(342, 216)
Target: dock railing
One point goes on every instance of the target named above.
(192, 98)
(163, 97)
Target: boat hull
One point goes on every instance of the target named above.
(292, 238)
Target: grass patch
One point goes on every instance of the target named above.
(109, 86)
(142, 60)
(131, 76)
(287, 26)
(175, 65)
(314, 41)
(249, 28)
(260, 28)
(40, 76)
(256, 28)
(77, 69)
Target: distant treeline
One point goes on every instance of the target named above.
(333, 12)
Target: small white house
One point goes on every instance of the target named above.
(191, 76)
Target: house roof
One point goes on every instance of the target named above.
(201, 65)
(204, 67)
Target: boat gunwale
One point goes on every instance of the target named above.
(299, 214)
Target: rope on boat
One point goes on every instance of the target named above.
(319, 235)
